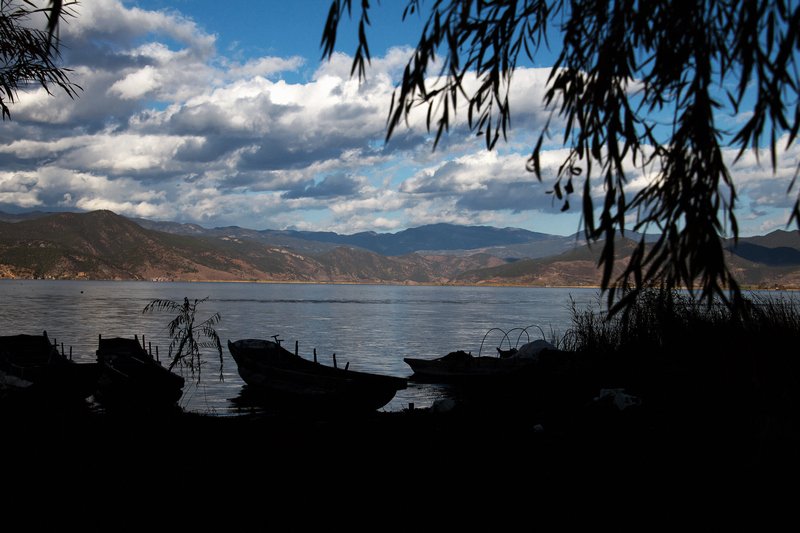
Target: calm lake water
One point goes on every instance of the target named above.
(373, 327)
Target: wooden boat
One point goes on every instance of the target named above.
(32, 365)
(461, 366)
(293, 382)
(131, 377)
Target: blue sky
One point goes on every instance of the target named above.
(221, 113)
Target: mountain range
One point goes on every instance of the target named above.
(104, 245)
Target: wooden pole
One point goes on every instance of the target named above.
(315, 355)
(296, 343)
(334, 360)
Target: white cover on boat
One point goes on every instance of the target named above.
(621, 399)
(13, 382)
(533, 349)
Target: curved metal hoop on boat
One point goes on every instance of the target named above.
(507, 338)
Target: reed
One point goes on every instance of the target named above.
(733, 377)
(664, 323)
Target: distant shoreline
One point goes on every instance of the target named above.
(386, 283)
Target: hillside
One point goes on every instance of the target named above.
(578, 267)
(268, 237)
(103, 245)
(346, 264)
(431, 237)
(434, 239)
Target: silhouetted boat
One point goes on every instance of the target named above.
(464, 367)
(131, 377)
(32, 365)
(290, 381)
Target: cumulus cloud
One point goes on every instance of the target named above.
(169, 127)
(137, 84)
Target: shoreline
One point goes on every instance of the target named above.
(746, 288)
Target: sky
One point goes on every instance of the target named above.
(224, 113)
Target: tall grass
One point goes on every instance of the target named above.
(732, 376)
(671, 323)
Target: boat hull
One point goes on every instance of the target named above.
(289, 381)
(460, 366)
(31, 366)
(534, 357)
(132, 378)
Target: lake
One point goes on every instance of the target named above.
(373, 327)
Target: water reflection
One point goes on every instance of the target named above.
(373, 327)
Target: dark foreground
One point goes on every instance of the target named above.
(694, 451)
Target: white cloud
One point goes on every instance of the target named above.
(109, 18)
(137, 84)
(167, 127)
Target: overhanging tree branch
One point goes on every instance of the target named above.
(30, 56)
(692, 59)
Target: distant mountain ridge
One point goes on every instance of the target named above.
(437, 238)
(8, 217)
(433, 236)
(433, 239)
(463, 241)
(103, 245)
(777, 256)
